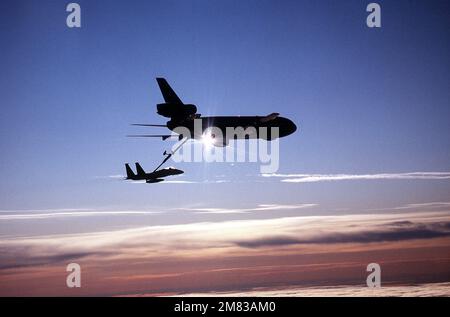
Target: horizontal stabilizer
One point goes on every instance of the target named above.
(162, 136)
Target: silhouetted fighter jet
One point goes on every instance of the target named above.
(154, 177)
(183, 115)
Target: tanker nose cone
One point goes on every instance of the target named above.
(291, 127)
(286, 126)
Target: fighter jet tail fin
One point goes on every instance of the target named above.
(130, 173)
(140, 171)
(169, 95)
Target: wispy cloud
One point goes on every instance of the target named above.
(178, 182)
(432, 206)
(116, 176)
(36, 214)
(310, 178)
(58, 213)
(230, 254)
(395, 231)
(45, 210)
(262, 207)
(218, 181)
(172, 180)
(197, 238)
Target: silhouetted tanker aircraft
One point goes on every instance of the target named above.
(153, 177)
(183, 115)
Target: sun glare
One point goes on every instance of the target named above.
(208, 140)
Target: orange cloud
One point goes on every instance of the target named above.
(232, 255)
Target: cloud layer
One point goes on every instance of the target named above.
(422, 290)
(394, 231)
(310, 178)
(232, 255)
(84, 212)
(202, 236)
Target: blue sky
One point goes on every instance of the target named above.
(365, 100)
(366, 178)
